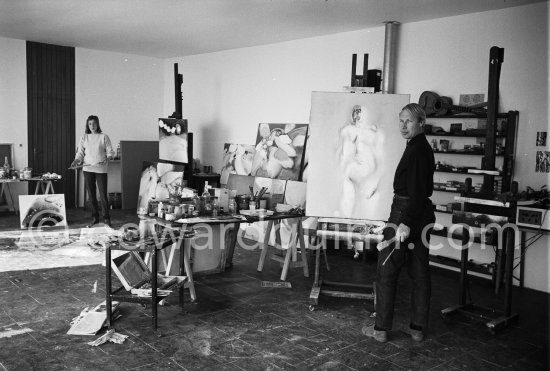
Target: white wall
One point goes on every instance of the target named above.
(226, 94)
(125, 91)
(13, 104)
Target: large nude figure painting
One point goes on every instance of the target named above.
(354, 149)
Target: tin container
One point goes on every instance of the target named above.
(243, 202)
(178, 211)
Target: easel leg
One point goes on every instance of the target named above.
(317, 263)
(509, 273)
(463, 268)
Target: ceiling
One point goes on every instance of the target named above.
(171, 28)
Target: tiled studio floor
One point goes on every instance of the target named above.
(237, 324)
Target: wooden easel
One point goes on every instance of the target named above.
(340, 289)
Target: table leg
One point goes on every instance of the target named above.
(303, 247)
(186, 249)
(181, 247)
(231, 246)
(168, 265)
(108, 284)
(289, 249)
(154, 289)
(9, 198)
(49, 188)
(265, 246)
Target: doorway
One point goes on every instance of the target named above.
(51, 113)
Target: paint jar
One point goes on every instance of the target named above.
(242, 202)
(131, 233)
(252, 205)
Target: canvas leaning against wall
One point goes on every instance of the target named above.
(173, 140)
(156, 180)
(280, 151)
(237, 159)
(42, 211)
(354, 148)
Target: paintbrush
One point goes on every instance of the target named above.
(262, 192)
(382, 245)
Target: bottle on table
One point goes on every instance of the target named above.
(215, 207)
(196, 204)
(6, 167)
(231, 207)
(160, 212)
(207, 208)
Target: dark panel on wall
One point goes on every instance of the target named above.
(51, 113)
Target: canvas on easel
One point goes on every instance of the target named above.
(280, 151)
(354, 148)
(173, 140)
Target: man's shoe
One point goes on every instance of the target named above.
(378, 335)
(93, 222)
(416, 335)
(107, 222)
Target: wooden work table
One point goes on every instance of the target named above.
(43, 185)
(225, 233)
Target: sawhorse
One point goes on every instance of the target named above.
(296, 237)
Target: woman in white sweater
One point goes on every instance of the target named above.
(93, 151)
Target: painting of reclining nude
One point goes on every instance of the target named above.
(173, 140)
(354, 149)
(237, 159)
(280, 151)
(157, 179)
(42, 211)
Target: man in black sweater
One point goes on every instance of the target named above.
(406, 236)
